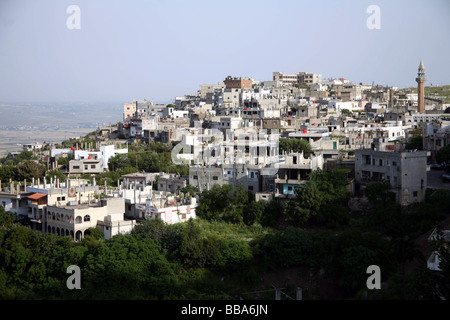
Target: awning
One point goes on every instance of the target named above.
(37, 196)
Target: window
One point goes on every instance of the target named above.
(85, 167)
(76, 167)
(87, 218)
(415, 194)
(92, 166)
(250, 188)
(215, 178)
(195, 177)
(394, 163)
(381, 162)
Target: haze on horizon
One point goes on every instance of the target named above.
(158, 50)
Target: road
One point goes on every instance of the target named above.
(434, 180)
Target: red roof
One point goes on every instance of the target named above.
(37, 196)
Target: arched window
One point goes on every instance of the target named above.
(53, 216)
(78, 219)
(58, 216)
(87, 218)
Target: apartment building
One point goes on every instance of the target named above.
(300, 78)
(89, 165)
(237, 83)
(170, 209)
(405, 170)
(172, 183)
(75, 219)
(348, 91)
(309, 78)
(294, 171)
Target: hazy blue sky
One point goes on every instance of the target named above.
(158, 50)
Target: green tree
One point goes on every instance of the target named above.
(29, 169)
(295, 145)
(380, 192)
(6, 218)
(290, 247)
(56, 174)
(272, 212)
(443, 155)
(415, 142)
(307, 203)
(254, 212)
(7, 172)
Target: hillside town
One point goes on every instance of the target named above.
(238, 132)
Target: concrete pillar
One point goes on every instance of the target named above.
(299, 294)
(277, 294)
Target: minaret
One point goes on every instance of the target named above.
(421, 87)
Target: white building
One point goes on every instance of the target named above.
(170, 210)
(405, 171)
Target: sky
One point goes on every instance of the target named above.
(158, 50)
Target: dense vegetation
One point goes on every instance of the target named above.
(233, 245)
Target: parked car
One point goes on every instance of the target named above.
(437, 166)
(446, 177)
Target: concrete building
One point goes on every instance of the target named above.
(406, 171)
(170, 209)
(237, 83)
(15, 198)
(348, 92)
(129, 111)
(75, 219)
(309, 78)
(210, 88)
(172, 183)
(294, 171)
(285, 79)
(300, 78)
(434, 261)
(89, 165)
